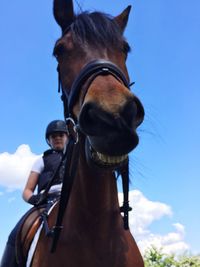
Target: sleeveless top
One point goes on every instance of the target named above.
(51, 160)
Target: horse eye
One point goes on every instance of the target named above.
(126, 48)
(58, 50)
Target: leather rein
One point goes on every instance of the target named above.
(89, 72)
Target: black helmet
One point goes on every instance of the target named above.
(55, 126)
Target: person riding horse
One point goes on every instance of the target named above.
(41, 174)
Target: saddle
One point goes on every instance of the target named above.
(26, 233)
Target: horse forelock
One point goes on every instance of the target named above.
(97, 29)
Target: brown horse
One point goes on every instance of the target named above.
(91, 54)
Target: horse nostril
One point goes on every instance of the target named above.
(133, 113)
(87, 119)
(140, 112)
(93, 119)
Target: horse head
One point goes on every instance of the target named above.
(91, 55)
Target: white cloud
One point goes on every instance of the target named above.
(15, 168)
(145, 212)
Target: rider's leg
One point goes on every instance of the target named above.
(9, 256)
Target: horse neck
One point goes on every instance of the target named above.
(94, 191)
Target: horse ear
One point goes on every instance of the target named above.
(63, 12)
(122, 18)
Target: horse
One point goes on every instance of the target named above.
(104, 115)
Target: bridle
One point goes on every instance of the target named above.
(88, 73)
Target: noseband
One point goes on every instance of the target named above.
(90, 71)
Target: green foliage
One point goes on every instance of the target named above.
(156, 258)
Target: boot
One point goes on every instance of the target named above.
(9, 258)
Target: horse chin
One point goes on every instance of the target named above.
(103, 160)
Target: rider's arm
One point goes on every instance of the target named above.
(30, 185)
(32, 181)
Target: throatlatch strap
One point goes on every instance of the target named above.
(125, 184)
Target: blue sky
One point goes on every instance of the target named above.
(164, 63)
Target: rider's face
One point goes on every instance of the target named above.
(58, 140)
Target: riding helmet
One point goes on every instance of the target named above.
(55, 126)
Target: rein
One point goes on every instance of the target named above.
(68, 180)
(91, 70)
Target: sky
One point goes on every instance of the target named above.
(164, 63)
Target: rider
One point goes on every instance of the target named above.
(41, 173)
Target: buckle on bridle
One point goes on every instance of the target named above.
(73, 129)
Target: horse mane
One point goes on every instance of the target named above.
(99, 30)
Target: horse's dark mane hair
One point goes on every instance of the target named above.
(99, 30)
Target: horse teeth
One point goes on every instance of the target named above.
(110, 160)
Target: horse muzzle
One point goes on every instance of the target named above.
(112, 136)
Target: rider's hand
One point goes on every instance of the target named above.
(36, 200)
